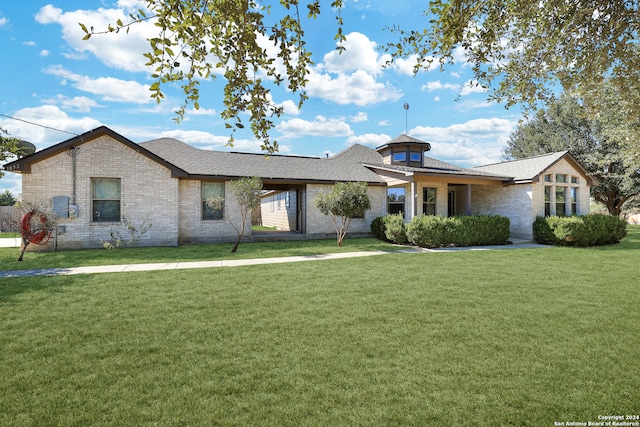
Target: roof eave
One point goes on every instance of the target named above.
(23, 165)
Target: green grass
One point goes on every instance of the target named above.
(262, 228)
(88, 257)
(482, 338)
(8, 235)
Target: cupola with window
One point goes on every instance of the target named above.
(404, 151)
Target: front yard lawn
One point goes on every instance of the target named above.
(482, 338)
(88, 257)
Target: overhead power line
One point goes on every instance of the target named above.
(39, 125)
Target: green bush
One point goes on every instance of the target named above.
(431, 231)
(437, 231)
(378, 227)
(486, 229)
(590, 230)
(395, 229)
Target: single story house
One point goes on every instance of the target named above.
(100, 178)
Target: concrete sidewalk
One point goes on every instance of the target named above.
(10, 242)
(123, 268)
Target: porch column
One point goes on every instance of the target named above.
(468, 204)
(414, 199)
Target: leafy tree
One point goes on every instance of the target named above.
(596, 142)
(526, 50)
(7, 199)
(247, 192)
(197, 37)
(529, 47)
(347, 200)
(8, 148)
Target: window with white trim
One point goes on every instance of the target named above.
(213, 191)
(105, 199)
(395, 200)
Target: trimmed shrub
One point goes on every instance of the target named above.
(437, 231)
(486, 229)
(589, 230)
(431, 231)
(395, 229)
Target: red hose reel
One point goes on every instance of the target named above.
(34, 234)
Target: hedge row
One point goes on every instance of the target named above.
(436, 231)
(589, 230)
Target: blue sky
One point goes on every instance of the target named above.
(53, 78)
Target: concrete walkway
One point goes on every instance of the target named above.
(10, 242)
(122, 268)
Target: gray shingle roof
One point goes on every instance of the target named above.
(524, 169)
(437, 167)
(342, 167)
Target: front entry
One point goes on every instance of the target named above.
(451, 203)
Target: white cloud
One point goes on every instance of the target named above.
(384, 123)
(290, 108)
(359, 88)
(360, 117)
(202, 112)
(52, 117)
(351, 78)
(370, 139)
(29, 43)
(109, 88)
(360, 54)
(77, 103)
(469, 87)
(122, 50)
(131, 5)
(320, 126)
(407, 66)
(209, 141)
(3, 21)
(438, 85)
(476, 142)
(436, 98)
(44, 53)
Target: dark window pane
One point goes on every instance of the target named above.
(106, 210)
(211, 213)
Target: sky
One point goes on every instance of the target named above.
(52, 79)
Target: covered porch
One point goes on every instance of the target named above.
(414, 194)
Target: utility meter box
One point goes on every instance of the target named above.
(73, 211)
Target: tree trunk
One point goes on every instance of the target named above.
(235, 247)
(614, 209)
(240, 234)
(25, 243)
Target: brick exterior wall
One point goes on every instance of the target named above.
(174, 206)
(522, 203)
(148, 193)
(276, 213)
(320, 225)
(513, 202)
(194, 229)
